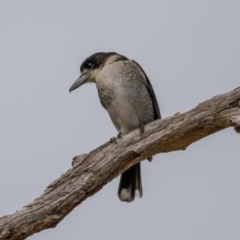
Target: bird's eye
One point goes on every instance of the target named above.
(89, 65)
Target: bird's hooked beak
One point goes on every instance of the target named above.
(80, 81)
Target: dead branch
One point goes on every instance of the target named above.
(90, 172)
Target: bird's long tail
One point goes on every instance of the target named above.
(130, 184)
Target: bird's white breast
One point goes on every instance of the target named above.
(123, 95)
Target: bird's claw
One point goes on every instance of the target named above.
(119, 135)
(113, 140)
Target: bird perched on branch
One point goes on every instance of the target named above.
(127, 94)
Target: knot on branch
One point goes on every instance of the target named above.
(237, 127)
(78, 159)
(5, 233)
(236, 124)
(235, 103)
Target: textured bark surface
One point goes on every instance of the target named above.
(90, 172)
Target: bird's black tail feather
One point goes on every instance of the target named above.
(130, 184)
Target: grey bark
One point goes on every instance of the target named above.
(90, 172)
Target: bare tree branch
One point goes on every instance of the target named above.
(90, 172)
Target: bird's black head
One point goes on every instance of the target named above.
(92, 65)
(97, 60)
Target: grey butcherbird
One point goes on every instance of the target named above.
(127, 94)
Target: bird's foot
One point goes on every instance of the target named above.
(119, 135)
(113, 140)
(150, 159)
(141, 128)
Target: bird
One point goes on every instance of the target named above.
(125, 91)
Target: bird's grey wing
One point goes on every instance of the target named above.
(157, 114)
(101, 101)
(101, 98)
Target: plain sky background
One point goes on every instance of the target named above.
(190, 51)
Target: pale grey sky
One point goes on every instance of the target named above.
(190, 51)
